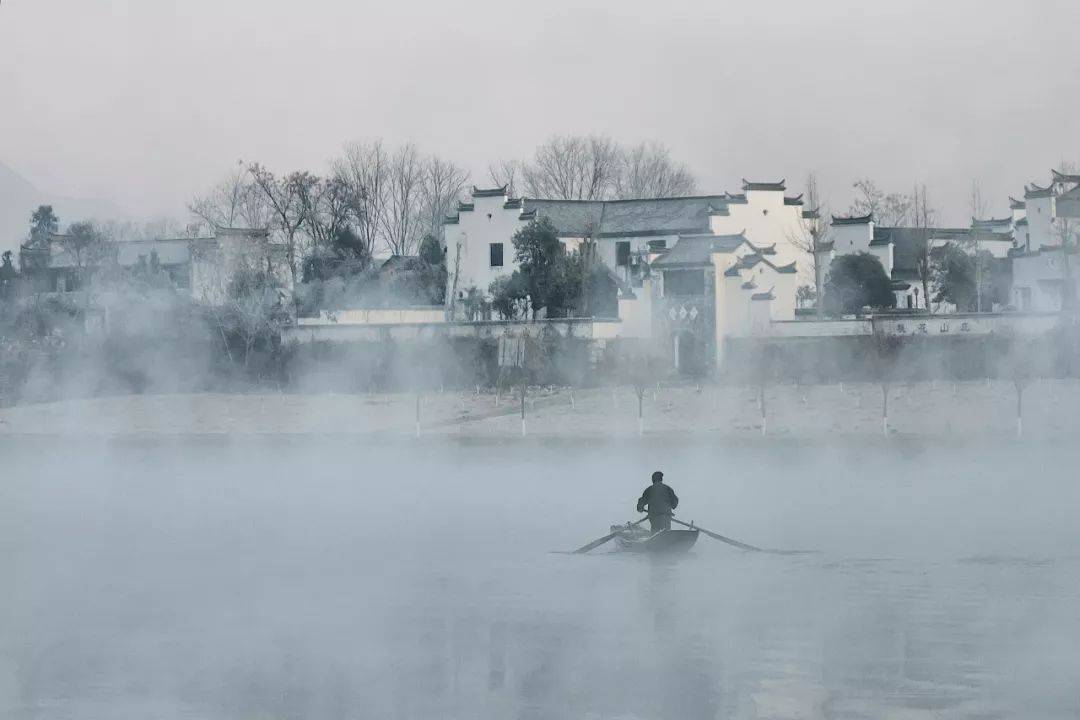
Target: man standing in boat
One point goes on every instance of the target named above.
(659, 500)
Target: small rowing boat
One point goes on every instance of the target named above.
(637, 539)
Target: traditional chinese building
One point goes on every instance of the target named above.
(1046, 224)
(691, 270)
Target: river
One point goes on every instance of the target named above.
(323, 577)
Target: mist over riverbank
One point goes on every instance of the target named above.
(943, 411)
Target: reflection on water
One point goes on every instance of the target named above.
(303, 579)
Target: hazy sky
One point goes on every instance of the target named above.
(145, 102)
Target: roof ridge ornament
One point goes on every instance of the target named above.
(488, 192)
(853, 219)
(767, 186)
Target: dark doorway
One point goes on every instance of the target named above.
(688, 354)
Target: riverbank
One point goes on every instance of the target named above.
(937, 410)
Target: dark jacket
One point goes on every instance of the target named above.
(659, 499)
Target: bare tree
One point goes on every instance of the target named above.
(365, 167)
(443, 184)
(235, 201)
(595, 167)
(889, 210)
(401, 220)
(401, 195)
(978, 211)
(1018, 360)
(647, 170)
(285, 197)
(640, 367)
(886, 349)
(572, 168)
(330, 208)
(922, 216)
(506, 173)
(812, 236)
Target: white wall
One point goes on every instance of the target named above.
(1038, 276)
(884, 254)
(997, 248)
(848, 239)
(378, 316)
(467, 243)
(783, 305)
(636, 315)
(1040, 217)
(766, 220)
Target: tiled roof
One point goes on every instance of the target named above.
(241, 232)
(987, 236)
(1060, 177)
(1034, 191)
(774, 186)
(488, 192)
(763, 296)
(991, 223)
(170, 251)
(1015, 204)
(748, 262)
(858, 220)
(175, 251)
(905, 242)
(797, 200)
(697, 250)
(629, 218)
(949, 233)
(571, 218)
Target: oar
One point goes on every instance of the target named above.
(736, 543)
(600, 541)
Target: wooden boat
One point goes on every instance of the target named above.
(637, 539)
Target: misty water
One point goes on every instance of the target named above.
(331, 578)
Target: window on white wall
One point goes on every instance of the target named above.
(495, 254)
(622, 253)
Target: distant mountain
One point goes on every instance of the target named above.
(19, 198)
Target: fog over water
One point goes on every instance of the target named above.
(329, 578)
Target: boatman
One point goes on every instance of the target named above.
(659, 500)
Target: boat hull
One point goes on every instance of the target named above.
(665, 542)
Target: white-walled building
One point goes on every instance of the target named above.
(1046, 225)
(716, 287)
(691, 269)
(897, 248)
(479, 237)
(201, 266)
